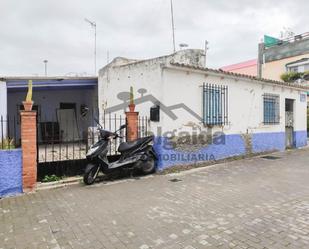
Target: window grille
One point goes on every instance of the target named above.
(215, 104)
(271, 109)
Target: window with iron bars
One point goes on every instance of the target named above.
(271, 109)
(215, 104)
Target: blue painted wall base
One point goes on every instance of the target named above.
(270, 141)
(10, 172)
(300, 139)
(234, 145)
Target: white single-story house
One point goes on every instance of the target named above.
(58, 101)
(239, 114)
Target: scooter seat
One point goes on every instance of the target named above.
(125, 146)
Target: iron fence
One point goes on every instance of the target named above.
(9, 132)
(291, 39)
(67, 137)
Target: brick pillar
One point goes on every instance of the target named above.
(29, 148)
(132, 125)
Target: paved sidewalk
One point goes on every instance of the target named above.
(252, 203)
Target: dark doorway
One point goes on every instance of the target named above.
(289, 123)
(68, 106)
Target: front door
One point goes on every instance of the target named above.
(289, 123)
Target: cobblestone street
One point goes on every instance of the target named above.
(251, 203)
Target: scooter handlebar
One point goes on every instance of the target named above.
(116, 135)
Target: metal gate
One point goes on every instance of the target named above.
(63, 140)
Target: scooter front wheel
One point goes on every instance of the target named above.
(91, 173)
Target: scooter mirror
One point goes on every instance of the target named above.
(98, 123)
(123, 127)
(96, 120)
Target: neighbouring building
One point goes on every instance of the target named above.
(289, 55)
(58, 101)
(3, 98)
(236, 113)
(276, 58)
(301, 65)
(246, 67)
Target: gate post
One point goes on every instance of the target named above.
(132, 123)
(29, 148)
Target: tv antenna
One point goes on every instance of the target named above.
(183, 45)
(173, 26)
(94, 26)
(206, 49)
(45, 67)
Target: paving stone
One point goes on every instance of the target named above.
(250, 203)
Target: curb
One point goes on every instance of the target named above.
(58, 184)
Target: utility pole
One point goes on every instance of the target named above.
(173, 26)
(206, 48)
(45, 66)
(94, 26)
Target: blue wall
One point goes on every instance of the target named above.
(300, 138)
(270, 141)
(10, 172)
(234, 145)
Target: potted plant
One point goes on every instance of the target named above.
(131, 105)
(28, 103)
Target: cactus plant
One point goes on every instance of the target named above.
(131, 96)
(29, 93)
(131, 105)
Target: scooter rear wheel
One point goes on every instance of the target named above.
(91, 173)
(148, 166)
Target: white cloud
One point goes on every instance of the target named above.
(34, 30)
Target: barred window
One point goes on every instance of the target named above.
(215, 104)
(271, 109)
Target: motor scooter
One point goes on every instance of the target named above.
(138, 154)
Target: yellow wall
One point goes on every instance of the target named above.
(273, 70)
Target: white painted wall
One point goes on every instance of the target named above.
(3, 98)
(113, 81)
(245, 101)
(173, 85)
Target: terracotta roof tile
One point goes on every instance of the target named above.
(245, 76)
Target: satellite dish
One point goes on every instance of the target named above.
(183, 45)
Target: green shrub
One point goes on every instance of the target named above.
(7, 144)
(51, 178)
(293, 76)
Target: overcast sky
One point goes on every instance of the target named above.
(34, 30)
